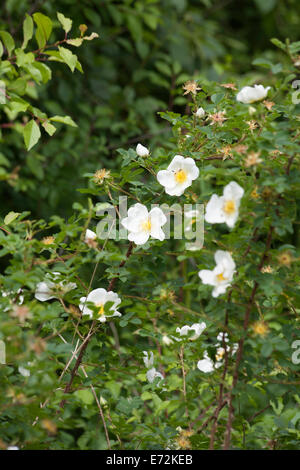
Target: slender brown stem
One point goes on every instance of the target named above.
(227, 439)
(221, 393)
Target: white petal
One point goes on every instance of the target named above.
(233, 191)
(213, 212)
(148, 359)
(97, 296)
(166, 178)
(142, 151)
(205, 365)
(179, 189)
(220, 289)
(157, 216)
(139, 238)
(190, 166)
(43, 292)
(176, 163)
(207, 277)
(112, 297)
(90, 235)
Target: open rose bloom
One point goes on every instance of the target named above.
(250, 94)
(225, 209)
(142, 224)
(178, 176)
(221, 276)
(49, 289)
(207, 365)
(99, 297)
(198, 329)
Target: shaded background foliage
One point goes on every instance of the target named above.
(146, 50)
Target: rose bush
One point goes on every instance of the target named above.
(136, 341)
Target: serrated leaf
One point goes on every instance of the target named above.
(31, 134)
(27, 30)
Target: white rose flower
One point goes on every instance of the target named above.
(198, 328)
(221, 276)
(225, 209)
(206, 365)
(48, 289)
(142, 151)
(178, 176)
(200, 113)
(250, 94)
(142, 224)
(99, 297)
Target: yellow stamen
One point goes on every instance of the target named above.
(101, 310)
(146, 226)
(221, 277)
(180, 176)
(229, 207)
(220, 355)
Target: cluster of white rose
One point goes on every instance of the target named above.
(142, 224)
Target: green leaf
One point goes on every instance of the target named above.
(68, 57)
(65, 22)
(44, 70)
(8, 41)
(1, 49)
(44, 28)
(64, 119)
(49, 128)
(27, 30)
(278, 43)
(75, 42)
(85, 396)
(31, 134)
(10, 217)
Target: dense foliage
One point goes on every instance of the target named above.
(68, 152)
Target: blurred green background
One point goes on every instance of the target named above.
(147, 49)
